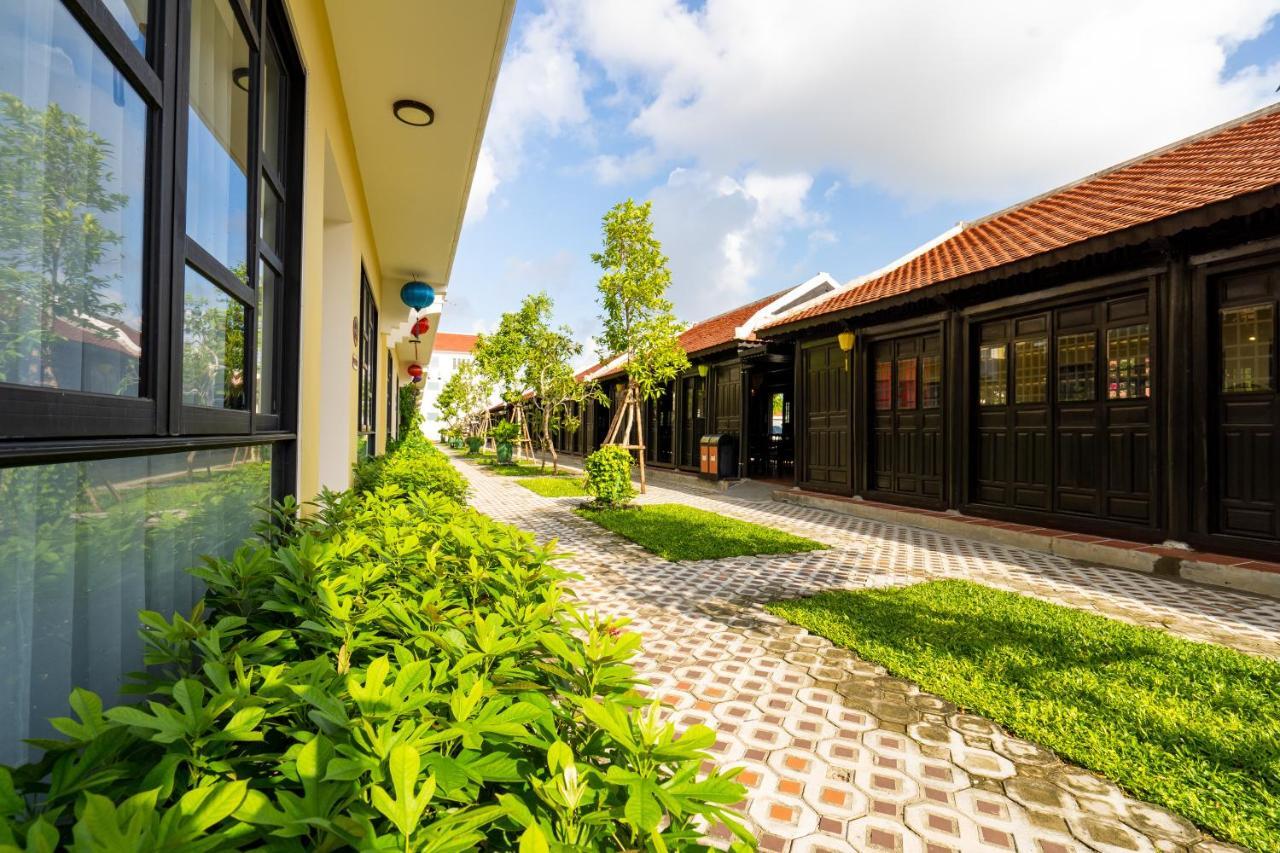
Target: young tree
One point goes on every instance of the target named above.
(548, 371)
(637, 317)
(464, 392)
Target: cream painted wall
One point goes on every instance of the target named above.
(328, 385)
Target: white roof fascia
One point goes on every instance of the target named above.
(757, 319)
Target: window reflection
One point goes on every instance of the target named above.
(1076, 365)
(906, 383)
(84, 546)
(212, 345)
(931, 381)
(992, 372)
(218, 134)
(1030, 370)
(132, 17)
(1129, 362)
(1248, 342)
(884, 385)
(265, 370)
(73, 142)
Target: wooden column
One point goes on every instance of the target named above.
(955, 399)
(744, 422)
(1177, 339)
(799, 441)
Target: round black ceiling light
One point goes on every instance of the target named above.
(415, 113)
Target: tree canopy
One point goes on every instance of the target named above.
(636, 317)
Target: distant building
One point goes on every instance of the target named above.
(449, 353)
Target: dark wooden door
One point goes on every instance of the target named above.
(1064, 416)
(658, 437)
(1246, 447)
(692, 420)
(1013, 451)
(905, 445)
(825, 419)
(727, 400)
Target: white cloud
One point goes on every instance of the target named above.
(540, 92)
(720, 233)
(927, 100)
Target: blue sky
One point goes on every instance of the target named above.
(779, 140)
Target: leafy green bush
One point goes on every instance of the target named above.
(504, 432)
(609, 475)
(395, 672)
(473, 443)
(416, 466)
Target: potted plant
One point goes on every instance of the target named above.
(504, 433)
(473, 443)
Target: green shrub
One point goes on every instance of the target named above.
(416, 466)
(473, 444)
(504, 432)
(395, 672)
(609, 475)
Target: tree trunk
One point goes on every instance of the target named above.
(547, 442)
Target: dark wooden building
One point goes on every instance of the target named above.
(733, 379)
(1101, 358)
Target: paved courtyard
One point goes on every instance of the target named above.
(839, 755)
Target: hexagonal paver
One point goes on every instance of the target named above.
(836, 754)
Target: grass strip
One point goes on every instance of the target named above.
(679, 532)
(1193, 727)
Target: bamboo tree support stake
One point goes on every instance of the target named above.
(524, 443)
(620, 430)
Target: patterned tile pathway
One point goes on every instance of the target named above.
(839, 755)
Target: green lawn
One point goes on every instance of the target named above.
(553, 487)
(677, 532)
(1190, 726)
(519, 468)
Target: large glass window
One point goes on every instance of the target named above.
(1030, 370)
(1129, 362)
(213, 346)
(993, 372)
(73, 158)
(218, 134)
(84, 546)
(1248, 348)
(1077, 358)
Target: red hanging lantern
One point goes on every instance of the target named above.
(415, 370)
(421, 327)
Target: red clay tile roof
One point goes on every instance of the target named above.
(705, 334)
(453, 342)
(1233, 160)
(719, 329)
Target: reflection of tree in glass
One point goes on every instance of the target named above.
(53, 180)
(213, 350)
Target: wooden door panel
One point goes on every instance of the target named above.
(1081, 443)
(826, 419)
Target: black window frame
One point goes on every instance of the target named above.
(40, 424)
(367, 369)
(393, 394)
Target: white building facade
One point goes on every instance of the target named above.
(450, 352)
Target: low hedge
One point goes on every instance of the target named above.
(395, 672)
(415, 466)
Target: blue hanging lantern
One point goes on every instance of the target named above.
(417, 379)
(417, 294)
